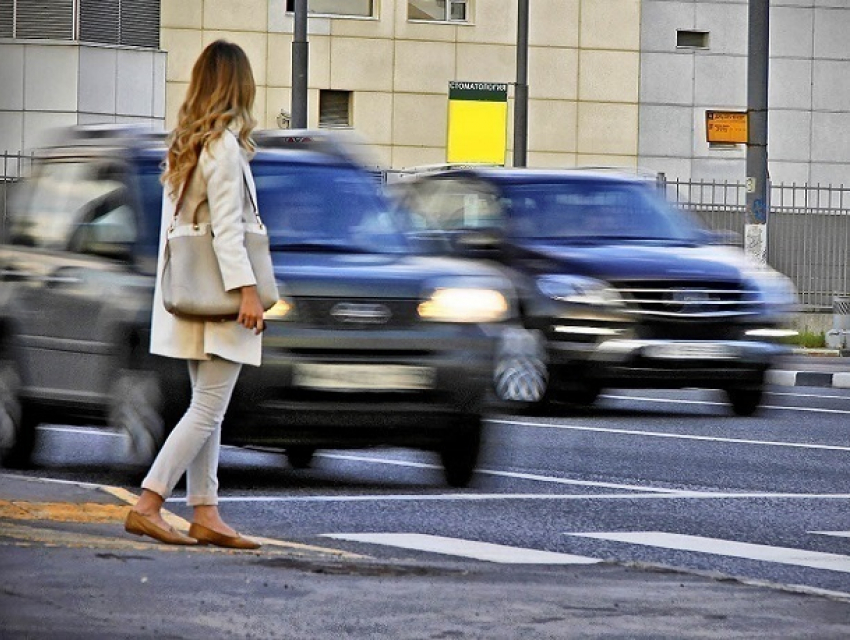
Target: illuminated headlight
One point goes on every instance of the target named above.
(463, 304)
(772, 333)
(580, 290)
(282, 310)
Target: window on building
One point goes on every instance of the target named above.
(363, 8)
(129, 22)
(438, 10)
(334, 109)
(691, 39)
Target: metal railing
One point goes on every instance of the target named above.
(808, 230)
(16, 166)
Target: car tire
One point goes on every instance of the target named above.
(583, 395)
(17, 426)
(521, 373)
(459, 451)
(745, 401)
(300, 457)
(136, 412)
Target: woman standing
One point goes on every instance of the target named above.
(207, 172)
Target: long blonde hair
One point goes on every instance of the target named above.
(221, 92)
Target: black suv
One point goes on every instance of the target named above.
(616, 287)
(369, 345)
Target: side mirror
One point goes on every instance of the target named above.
(483, 242)
(725, 237)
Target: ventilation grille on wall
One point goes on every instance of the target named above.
(127, 22)
(44, 19)
(334, 108)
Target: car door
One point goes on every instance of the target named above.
(67, 257)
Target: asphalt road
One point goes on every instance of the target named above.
(668, 478)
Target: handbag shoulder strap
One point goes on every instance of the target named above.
(182, 197)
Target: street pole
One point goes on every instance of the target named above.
(300, 61)
(521, 88)
(758, 179)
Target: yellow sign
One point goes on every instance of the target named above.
(729, 127)
(478, 120)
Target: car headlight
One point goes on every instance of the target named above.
(580, 290)
(462, 302)
(283, 309)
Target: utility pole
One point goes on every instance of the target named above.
(758, 179)
(521, 87)
(300, 62)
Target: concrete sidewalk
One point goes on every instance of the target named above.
(68, 570)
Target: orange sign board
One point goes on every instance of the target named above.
(726, 126)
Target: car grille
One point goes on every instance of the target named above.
(356, 314)
(675, 299)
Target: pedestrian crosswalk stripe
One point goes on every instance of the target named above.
(464, 548)
(745, 550)
(837, 534)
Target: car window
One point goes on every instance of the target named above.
(67, 194)
(585, 209)
(450, 204)
(331, 206)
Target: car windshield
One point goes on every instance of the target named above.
(325, 208)
(589, 211)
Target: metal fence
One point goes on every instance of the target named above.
(808, 230)
(15, 166)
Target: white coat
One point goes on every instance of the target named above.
(218, 192)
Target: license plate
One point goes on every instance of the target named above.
(691, 351)
(363, 377)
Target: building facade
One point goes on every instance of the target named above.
(69, 62)
(611, 82)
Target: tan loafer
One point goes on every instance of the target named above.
(138, 525)
(205, 535)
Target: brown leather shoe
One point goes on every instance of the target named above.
(138, 525)
(205, 535)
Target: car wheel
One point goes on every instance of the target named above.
(745, 401)
(521, 372)
(583, 395)
(300, 457)
(136, 411)
(459, 451)
(17, 427)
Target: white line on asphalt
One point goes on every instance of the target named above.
(482, 497)
(675, 436)
(493, 472)
(502, 554)
(745, 550)
(84, 430)
(764, 406)
(837, 534)
(807, 395)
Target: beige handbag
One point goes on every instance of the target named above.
(192, 285)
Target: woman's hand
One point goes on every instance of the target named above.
(251, 310)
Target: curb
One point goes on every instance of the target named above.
(839, 380)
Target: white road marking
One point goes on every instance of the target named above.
(838, 534)
(715, 546)
(721, 404)
(89, 431)
(821, 396)
(493, 472)
(675, 436)
(482, 497)
(464, 548)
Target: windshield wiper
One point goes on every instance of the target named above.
(327, 246)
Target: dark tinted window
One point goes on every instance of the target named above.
(324, 205)
(593, 209)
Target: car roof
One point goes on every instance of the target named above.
(296, 146)
(523, 175)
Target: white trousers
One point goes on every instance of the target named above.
(193, 446)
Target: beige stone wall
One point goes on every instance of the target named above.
(584, 66)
